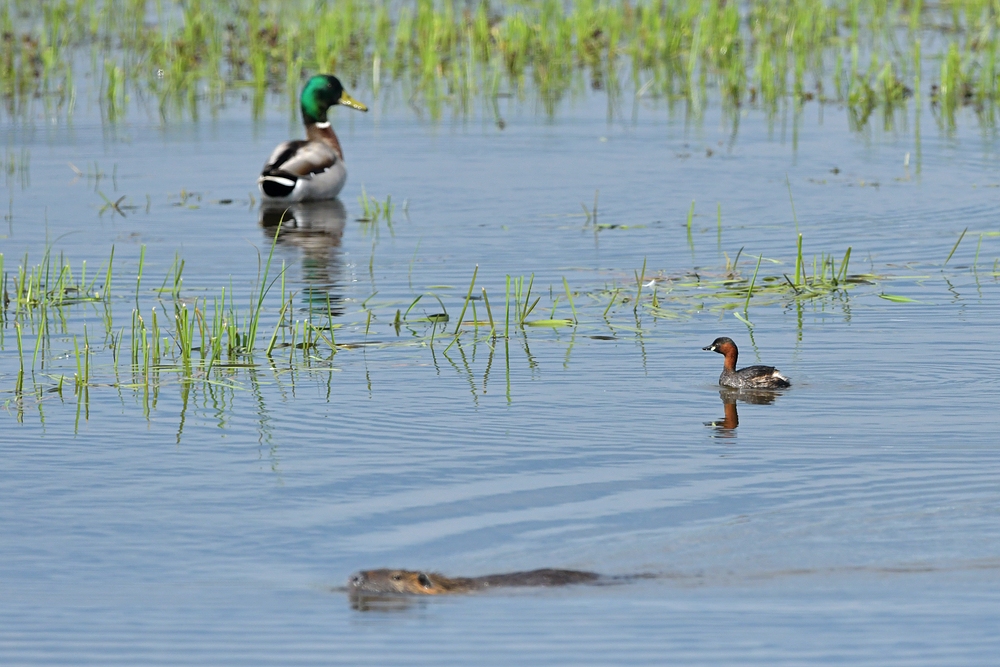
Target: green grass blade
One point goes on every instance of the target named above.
(468, 296)
(955, 247)
(569, 296)
(896, 298)
(746, 304)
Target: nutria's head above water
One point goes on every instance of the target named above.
(410, 582)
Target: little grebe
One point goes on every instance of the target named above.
(751, 377)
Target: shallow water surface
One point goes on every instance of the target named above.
(853, 519)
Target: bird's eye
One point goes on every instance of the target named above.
(397, 577)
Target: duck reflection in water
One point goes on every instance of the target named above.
(726, 427)
(315, 228)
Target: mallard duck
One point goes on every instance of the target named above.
(312, 169)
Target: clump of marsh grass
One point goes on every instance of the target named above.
(185, 55)
(151, 332)
(372, 209)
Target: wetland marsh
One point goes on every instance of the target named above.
(486, 355)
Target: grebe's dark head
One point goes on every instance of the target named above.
(322, 92)
(721, 345)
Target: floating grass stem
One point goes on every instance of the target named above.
(614, 295)
(138, 276)
(277, 327)
(842, 273)
(468, 296)
(639, 278)
(412, 304)
(506, 325)
(19, 383)
(753, 281)
(800, 271)
(291, 347)
(38, 339)
(253, 321)
(526, 309)
(489, 313)
(79, 364)
(955, 247)
(107, 277)
(569, 297)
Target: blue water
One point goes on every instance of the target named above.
(853, 520)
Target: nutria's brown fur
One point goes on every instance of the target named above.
(431, 583)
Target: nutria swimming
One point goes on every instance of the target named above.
(381, 582)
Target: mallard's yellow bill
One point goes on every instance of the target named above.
(349, 101)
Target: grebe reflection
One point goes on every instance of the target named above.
(726, 427)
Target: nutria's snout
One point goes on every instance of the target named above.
(356, 579)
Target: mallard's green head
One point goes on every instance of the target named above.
(322, 92)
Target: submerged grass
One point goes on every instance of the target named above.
(179, 57)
